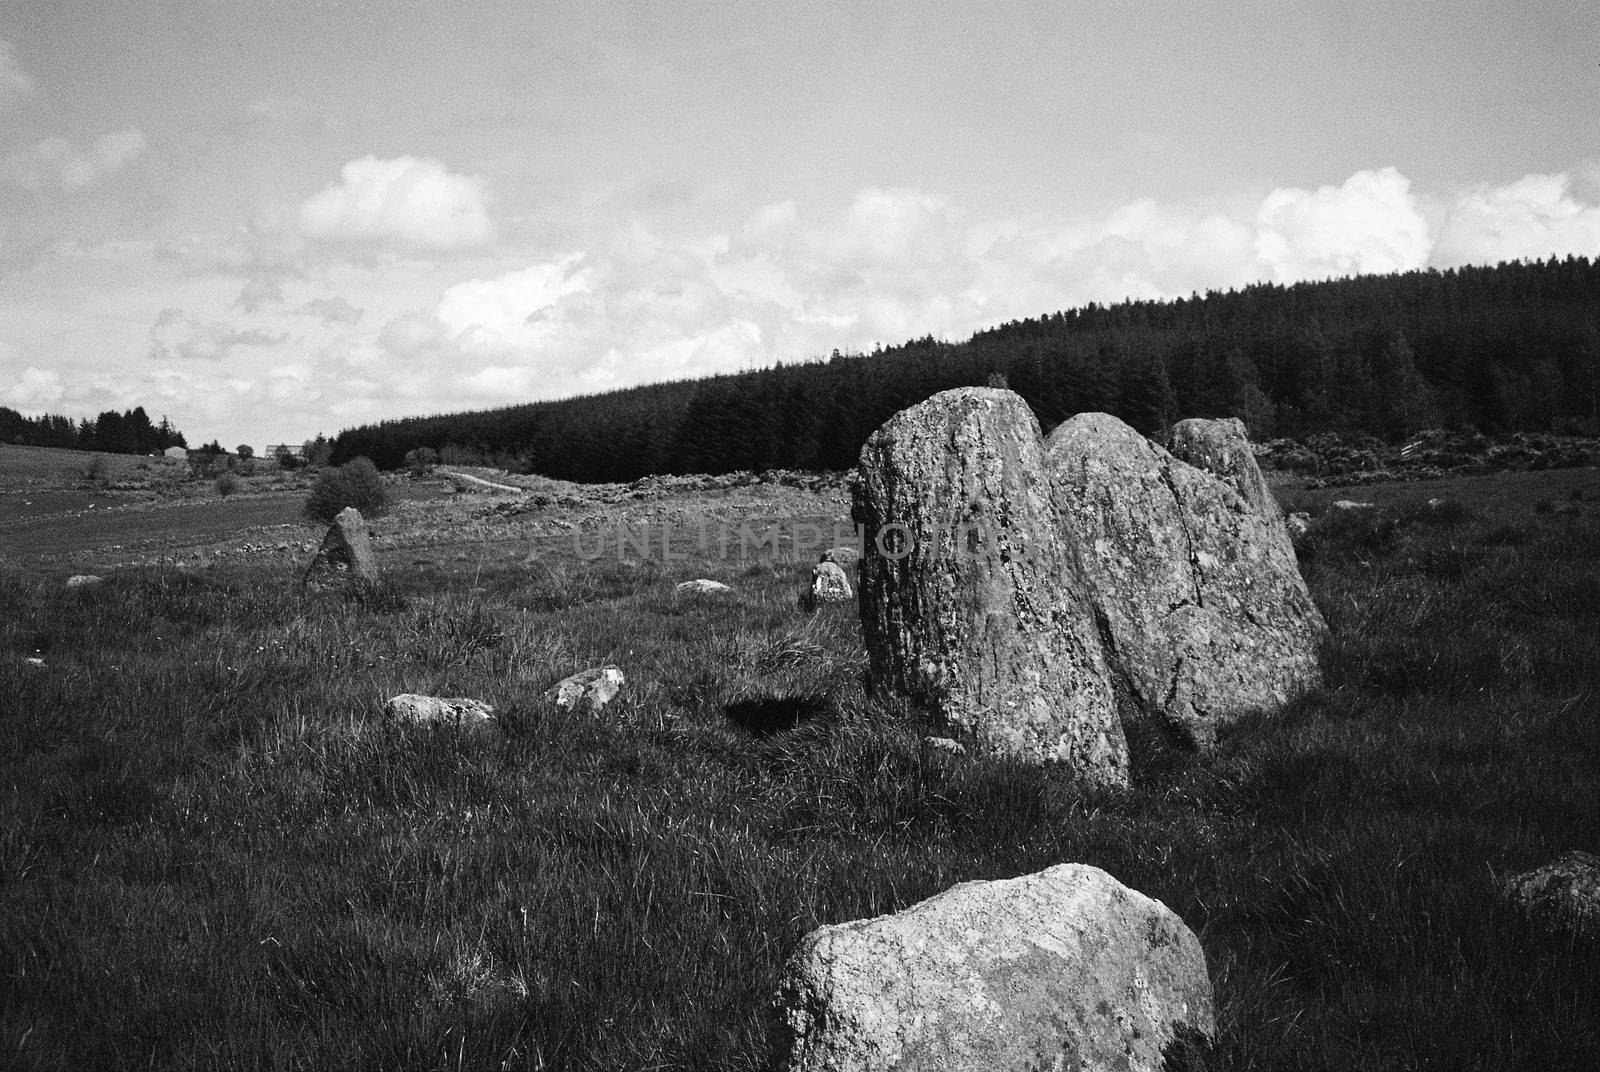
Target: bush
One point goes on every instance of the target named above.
(421, 460)
(355, 483)
(227, 484)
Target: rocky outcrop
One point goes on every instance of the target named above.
(587, 690)
(1064, 969)
(1194, 583)
(968, 602)
(344, 559)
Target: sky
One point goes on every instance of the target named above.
(266, 219)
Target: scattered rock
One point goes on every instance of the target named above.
(1202, 609)
(84, 580)
(457, 713)
(345, 558)
(1297, 525)
(588, 690)
(702, 586)
(1351, 504)
(33, 660)
(829, 584)
(969, 603)
(1064, 969)
(1563, 894)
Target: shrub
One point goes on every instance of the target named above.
(226, 484)
(355, 483)
(421, 460)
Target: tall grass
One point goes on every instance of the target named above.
(214, 852)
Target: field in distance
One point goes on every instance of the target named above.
(215, 852)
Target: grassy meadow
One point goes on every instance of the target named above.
(215, 853)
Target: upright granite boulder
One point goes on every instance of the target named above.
(1064, 969)
(1202, 609)
(1221, 447)
(968, 601)
(345, 559)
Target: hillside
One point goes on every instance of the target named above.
(1514, 347)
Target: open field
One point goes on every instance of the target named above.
(214, 853)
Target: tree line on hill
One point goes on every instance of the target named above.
(129, 432)
(1515, 347)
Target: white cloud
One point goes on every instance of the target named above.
(409, 201)
(1535, 217)
(33, 389)
(1369, 224)
(177, 336)
(57, 162)
(520, 310)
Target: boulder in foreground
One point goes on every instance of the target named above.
(969, 604)
(345, 559)
(1064, 969)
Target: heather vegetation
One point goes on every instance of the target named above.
(1513, 348)
(215, 853)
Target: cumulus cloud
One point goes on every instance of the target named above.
(15, 83)
(333, 312)
(57, 162)
(409, 201)
(177, 336)
(33, 389)
(1535, 217)
(1371, 223)
(519, 310)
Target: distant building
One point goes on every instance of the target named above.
(294, 450)
(179, 454)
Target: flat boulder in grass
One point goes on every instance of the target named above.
(587, 690)
(968, 602)
(703, 587)
(344, 559)
(1202, 608)
(84, 580)
(1064, 969)
(1563, 894)
(456, 713)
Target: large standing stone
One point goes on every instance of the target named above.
(345, 557)
(968, 603)
(1202, 607)
(1221, 447)
(1064, 969)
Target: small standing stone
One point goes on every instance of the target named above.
(345, 558)
(829, 584)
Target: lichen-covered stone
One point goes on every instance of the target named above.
(829, 584)
(457, 712)
(587, 690)
(968, 602)
(1064, 969)
(345, 557)
(1203, 612)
